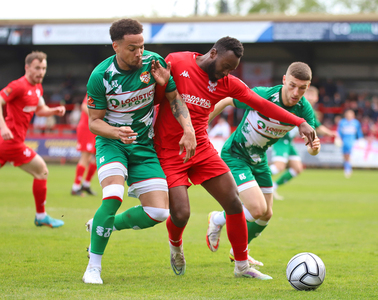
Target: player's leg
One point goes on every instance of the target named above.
(295, 167)
(38, 169)
(112, 161)
(91, 170)
(280, 158)
(347, 149)
(102, 224)
(179, 215)
(146, 182)
(178, 183)
(81, 166)
(223, 189)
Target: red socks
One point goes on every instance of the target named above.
(175, 233)
(39, 192)
(238, 235)
(91, 170)
(80, 169)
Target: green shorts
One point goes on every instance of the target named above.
(248, 175)
(284, 151)
(137, 163)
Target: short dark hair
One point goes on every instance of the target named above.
(35, 55)
(300, 71)
(124, 27)
(228, 43)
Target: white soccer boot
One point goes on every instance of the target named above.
(93, 276)
(178, 262)
(213, 233)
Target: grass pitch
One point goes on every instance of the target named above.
(323, 213)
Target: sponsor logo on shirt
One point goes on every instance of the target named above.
(132, 99)
(185, 74)
(8, 91)
(90, 102)
(212, 86)
(145, 77)
(205, 103)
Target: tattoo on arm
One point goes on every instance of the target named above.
(178, 109)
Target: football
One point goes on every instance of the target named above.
(305, 271)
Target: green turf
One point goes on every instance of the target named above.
(323, 213)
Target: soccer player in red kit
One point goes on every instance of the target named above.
(86, 142)
(202, 81)
(23, 97)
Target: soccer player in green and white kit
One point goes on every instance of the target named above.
(284, 155)
(245, 151)
(120, 100)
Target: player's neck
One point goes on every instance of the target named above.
(30, 80)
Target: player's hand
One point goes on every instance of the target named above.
(60, 110)
(314, 150)
(160, 73)
(126, 134)
(305, 130)
(189, 142)
(6, 134)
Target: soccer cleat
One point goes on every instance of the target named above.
(88, 190)
(48, 221)
(277, 196)
(77, 193)
(213, 233)
(93, 276)
(178, 262)
(251, 260)
(251, 272)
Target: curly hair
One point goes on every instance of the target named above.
(228, 43)
(124, 27)
(300, 71)
(35, 55)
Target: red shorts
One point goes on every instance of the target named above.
(86, 140)
(16, 154)
(204, 165)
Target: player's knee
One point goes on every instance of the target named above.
(41, 174)
(158, 214)
(180, 217)
(233, 205)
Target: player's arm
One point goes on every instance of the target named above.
(98, 126)
(220, 106)
(44, 111)
(6, 134)
(181, 113)
(275, 112)
(323, 130)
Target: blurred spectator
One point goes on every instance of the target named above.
(330, 87)
(340, 87)
(75, 115)
(374, 107)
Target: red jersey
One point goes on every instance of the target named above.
(200, 96)
(84, 117)
(22, 99)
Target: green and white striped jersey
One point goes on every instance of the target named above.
(256, 132)
(127, 96)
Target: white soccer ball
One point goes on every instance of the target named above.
(305, 271)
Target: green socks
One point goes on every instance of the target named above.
(134, 218)
(103, 225)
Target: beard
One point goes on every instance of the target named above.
(211, 72)
(135, 67)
